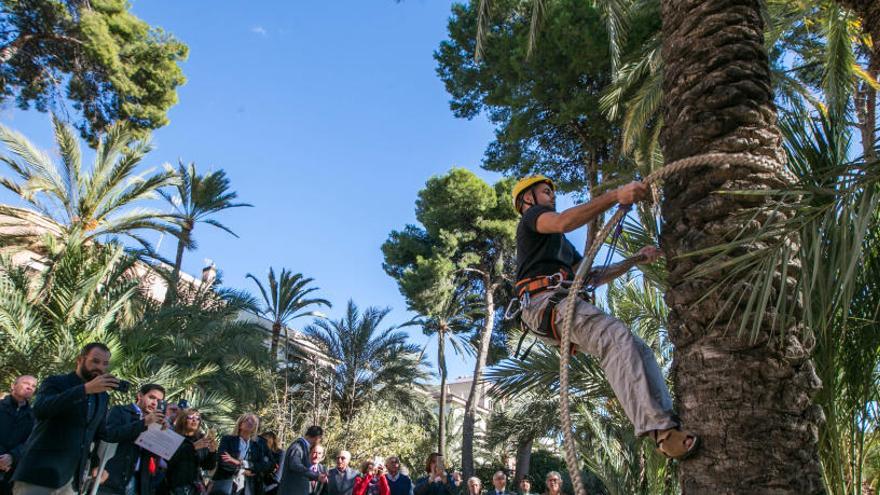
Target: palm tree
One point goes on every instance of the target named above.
(201, 351)
(455, 317)
(88, 204)
(718, 97)
(198, 198)
(373, 365)
(82, 295)
(286, 300)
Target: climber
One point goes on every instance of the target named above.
(546, 260)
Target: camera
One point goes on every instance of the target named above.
(123, 386)
(182, 404)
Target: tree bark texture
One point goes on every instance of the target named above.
(523, 461)
(748, 396)
(276, 336)
(475, 395)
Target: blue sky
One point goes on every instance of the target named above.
(327, 116)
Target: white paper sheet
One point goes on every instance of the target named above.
(163, 443)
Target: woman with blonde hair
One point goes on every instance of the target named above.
(197, 451)
(244, 459)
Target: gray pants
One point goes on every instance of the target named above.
(22, 488)
(627, 361)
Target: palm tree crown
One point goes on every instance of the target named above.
(286, 300)
(373, 365)
(89, 204)
(197, 198)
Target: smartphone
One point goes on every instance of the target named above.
(123, 386)
(440, 465)
(161, 406)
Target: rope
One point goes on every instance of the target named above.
(756, 163)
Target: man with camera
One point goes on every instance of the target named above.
(131, 470)
(70, 412)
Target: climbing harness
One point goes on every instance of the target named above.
(756, 163)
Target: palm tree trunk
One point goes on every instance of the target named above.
(171, 294)
(276, 336)
(869, 13)
(523, 460)
(441, 415)
(749, 398)
(475, 395)
(865, 100)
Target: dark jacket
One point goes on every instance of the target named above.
(183, 467)
(403, 485)
(341, 483)
(425, 487)
(319, 488)
(258, 456)
(126, 420)
(16, 424)
(297, 474)
(58, 448)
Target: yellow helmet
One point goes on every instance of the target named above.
(528, 182)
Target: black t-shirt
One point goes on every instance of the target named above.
(541, 254)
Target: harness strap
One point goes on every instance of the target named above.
(535, 285)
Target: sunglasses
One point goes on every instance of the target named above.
(194, 418)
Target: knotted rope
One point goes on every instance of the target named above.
(756, 163)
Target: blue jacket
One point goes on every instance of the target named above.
(296, 472)
(126, 420)
(403, 485)
(58, 449)
(16, 424)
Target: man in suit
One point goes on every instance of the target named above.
(132, 470)
(499, 484)
(341, 479)
(16, 423)
(298, 467)
(318, 487)
(70, 411)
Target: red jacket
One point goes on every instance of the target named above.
(362, 482)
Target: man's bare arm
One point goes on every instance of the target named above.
(645, 256)
(580, 215)
(613, 271)
(576, 216)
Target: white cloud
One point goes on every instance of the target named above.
(259, 30)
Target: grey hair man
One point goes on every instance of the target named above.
(341, 478)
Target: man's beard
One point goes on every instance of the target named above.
(90, 374)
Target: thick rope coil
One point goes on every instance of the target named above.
(756, 163)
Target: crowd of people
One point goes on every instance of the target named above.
(64, 438)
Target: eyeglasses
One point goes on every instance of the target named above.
(553, 480)
(194, 418)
